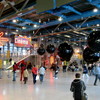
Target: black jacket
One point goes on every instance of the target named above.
(77, 87)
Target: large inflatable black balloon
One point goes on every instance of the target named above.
(89, 55)
(94, 41)
(41, 51)
(65, 51)
(50, 48)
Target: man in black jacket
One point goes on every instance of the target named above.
(77, 87)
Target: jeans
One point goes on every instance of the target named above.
(34, 78)
(96, 77)
(0, 73)
(14, 76)
(41, 77)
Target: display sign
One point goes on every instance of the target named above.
(0, 63)
(8, 54)
(23, 41)
(3, 40)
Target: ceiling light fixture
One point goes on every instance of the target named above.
(16, 30)
(60, 19)
(23, 27)
(42, 38)
(95, 10)
(67, 36)
(98, 24)
(35, 25)
(39, 20)
(14, 20)
(6, 33)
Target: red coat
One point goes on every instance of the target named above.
(15, 67)
(34, 70)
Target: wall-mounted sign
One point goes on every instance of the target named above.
(23, 41)
(3, 40)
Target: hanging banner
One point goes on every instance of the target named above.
(22, 41)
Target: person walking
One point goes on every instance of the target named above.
(14, 71)
(25, 75)
(97, 73)
(41, 73)
(64, 68)
(56, 70)
(29, 67)
(34, 73)
(77, 87)
(85, 71)
(22, 67)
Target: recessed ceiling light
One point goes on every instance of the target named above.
(6, 33)
(67, 36)
(60, 19)
(82, 33)
(98, 24)
(23, 27)
(16, 30)
(35, 25)
(42, 38)
(95, 10)
(14, 20)
(39, 20)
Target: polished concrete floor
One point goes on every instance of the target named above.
(50, 89)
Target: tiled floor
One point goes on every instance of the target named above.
(50, 89)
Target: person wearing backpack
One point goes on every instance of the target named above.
(77, 87)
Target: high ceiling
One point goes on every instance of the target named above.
(72, 21)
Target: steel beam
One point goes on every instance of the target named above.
(95, 3)
(72, 9)
(68, 19)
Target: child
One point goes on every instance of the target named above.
(25, 75)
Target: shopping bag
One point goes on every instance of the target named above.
(37, 77)
(84, 96)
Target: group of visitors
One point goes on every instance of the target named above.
(77, 86)
(26, 69)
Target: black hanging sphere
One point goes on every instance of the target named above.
(94, 41)
(65, 51)
(41, 51)
(89, 55)
(50, 48)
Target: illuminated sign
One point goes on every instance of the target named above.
(2, 39)
(22, 41)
